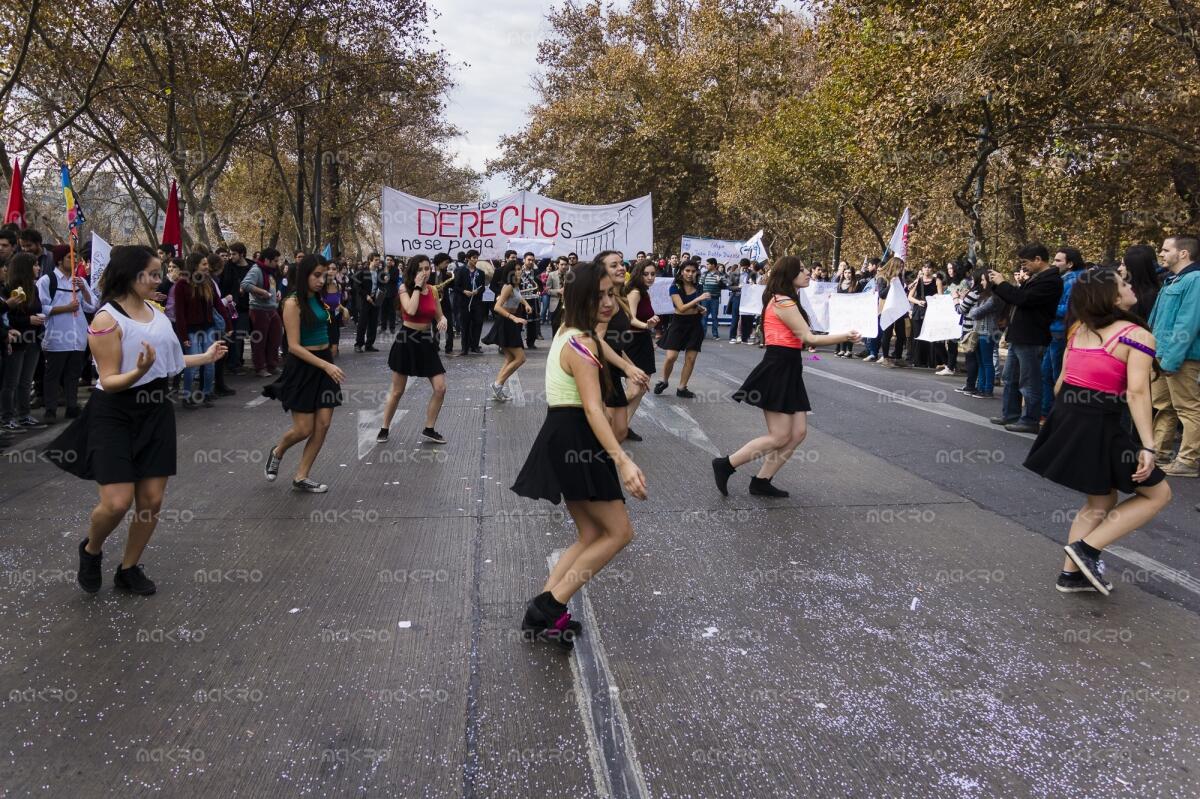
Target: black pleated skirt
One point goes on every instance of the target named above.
(415, 353)
(1089, 444)
(640, 349)
(505, 334)
(777, 383)
(120, 437)
(686, 333)
(303, 388)
(566, 462)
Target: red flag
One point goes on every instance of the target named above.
(16, 198)
(171, 227)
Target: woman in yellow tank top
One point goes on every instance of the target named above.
(576, 457)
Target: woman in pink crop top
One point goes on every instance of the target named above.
(414, 353)
(1099, 438)
(777, 384)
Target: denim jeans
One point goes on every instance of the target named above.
(735, 304)
(18, 370)
(198, 342)
(1023, 380)
(1051, 366)
(713, 304)
(985, 381)
(545, 309)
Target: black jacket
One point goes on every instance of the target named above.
(1035, 304)
(466, 280)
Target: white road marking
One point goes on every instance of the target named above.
(514, 388)
(254, 403)
(939, 408)
(369, 423)
(615, 767)
(728, 378)
(1180, 578)
(686, 428)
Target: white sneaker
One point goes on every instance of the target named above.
(869, 359)
(498, 393)
(737, 340)
(943, 372)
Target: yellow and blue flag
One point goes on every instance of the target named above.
(75, 218)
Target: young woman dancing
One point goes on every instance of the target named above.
(777, 384)
(642, 322)
(686, 332)
(415, 351)
(125, 437)
(576, 457)
(615, 333)
(512, 312)
(1099, 439)
(309, 385)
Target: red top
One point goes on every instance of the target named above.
(645, 308)
(1096, 367)
(775, 330)
(426, 309)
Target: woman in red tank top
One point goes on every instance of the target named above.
(1099, 439)
(777, 384)
(414, 353)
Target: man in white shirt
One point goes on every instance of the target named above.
(65, 339)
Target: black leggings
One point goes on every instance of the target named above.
(897, 328)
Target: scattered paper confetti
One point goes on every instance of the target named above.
(404, 625)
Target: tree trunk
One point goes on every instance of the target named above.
(839, 226)
(1185, 175)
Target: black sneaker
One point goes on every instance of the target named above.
(631, 436)
(1004, 420)
(1075, 583)
(660, 386)
(370, 349)
(190, 403)
(1089, 567)
(271, 467)
(208, 401)
(225, 391)
(89, 576)
(1023, 427)
(134, 580)
(722, 471)
(429, 434)
(358, 348)
(548, 625)
(685, 393)
(763, 488)
(307, 486)
(382, 436)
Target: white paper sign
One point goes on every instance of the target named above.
(414, 225)
(660, 297)
(488, 294)
(854, 312)
(101, 251)
(896, 306)
(941, 320)
(752, 300)
(814, 298)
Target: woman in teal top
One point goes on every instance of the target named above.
(576, 457)
(309, 385)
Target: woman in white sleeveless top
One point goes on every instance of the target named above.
(125, 437)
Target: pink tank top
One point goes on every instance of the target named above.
(775, 330)
(1096, 367)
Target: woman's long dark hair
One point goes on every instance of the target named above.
(581, 307)
(199, 284)
(1142, 265)
(637, 276)
(20, 275)
(125, 263)
(410, 271)
(782, 280)
(299, 286)
(679, 275)
(982, 284)
(1094, 301)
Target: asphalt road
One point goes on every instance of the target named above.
(891, 629)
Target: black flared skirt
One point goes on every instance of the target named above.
(505, 334)
(120, 437)
(415, 353)
(686, 333)
(1088, 444)
(640, 349)
(304, 388)
(566, 462)
(777, 383)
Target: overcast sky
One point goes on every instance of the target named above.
(492, 49)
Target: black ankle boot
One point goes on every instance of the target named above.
(722, 471)
(763, 488)
(547, 620)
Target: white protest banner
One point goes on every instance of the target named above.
(752, 300)
(726, 251)
(660, 296)
(814, 298)
(101, 252)
(854, 312)
(541, 248)
(941, 320)
(896, 306)
(414, 225)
